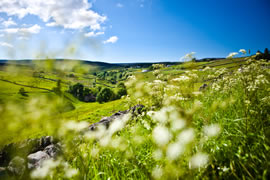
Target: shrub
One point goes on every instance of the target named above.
(105, 95)
(22, 92)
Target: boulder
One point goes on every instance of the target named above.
(52, 150)
(106, 121)
(35, 160)
(16, 166)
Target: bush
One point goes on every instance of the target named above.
(105, 95)
(22, 92)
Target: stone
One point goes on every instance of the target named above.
(52, 150)
(203, 87)
(35, 160)
(16, 166)
(106, 121)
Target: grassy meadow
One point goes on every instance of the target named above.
(201, 119)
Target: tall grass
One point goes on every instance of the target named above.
(182, 133)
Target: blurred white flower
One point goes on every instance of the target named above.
(198, 160)
(76, 126)
(181, 79)
(206, 68)
(231, 55)
(186, 136)
(118, 124)
(45, 169)
(70, 172)
(211, 130)
(157, 154)
(174, 151)
(243, 51)
(188, 57)
(178, 124)
(161, 135)
(157, 172)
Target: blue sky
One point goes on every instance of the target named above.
(131, 30)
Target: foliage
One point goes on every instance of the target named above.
(105, 95)
(22, 92)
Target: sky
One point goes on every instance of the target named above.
(124, 31)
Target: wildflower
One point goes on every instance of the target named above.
(206, 68)
(70, 172)
(231, 55)
(76, 126)
(216, 87)
(178, 124)
(174, 151)
(198, 160)
(181, 79)
(186, 136)
(157, 172)
(211, 130)
(45, 169)
(157, 154)
(243, 51)
(161, 135)
(188, 56)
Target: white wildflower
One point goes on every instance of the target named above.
(211, 130)
(157, 172)
(45, 169)
(76, 126)
(243, 51)
(198, 160)
(181, 79)
(157, 154)
(231, 55)
(161, 135)
(188, 57)
(186, 136)
(70, 172)
(174, 151)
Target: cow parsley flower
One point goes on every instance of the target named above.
(243, 51)
(198, 160)
(231, 55)
(161, 135)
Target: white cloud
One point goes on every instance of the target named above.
(112, 39)
(23, 38)
(71, 14)
(4, 44)
(93, 34)
(23, 31)
(1, 19)
(1, 35)
(9, 22)
(119, 5)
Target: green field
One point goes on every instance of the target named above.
(220, 131)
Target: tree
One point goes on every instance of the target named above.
(105, 95)
(22, 92)
(77, 90)
(121, 92)
(266, 54)
(58, 88)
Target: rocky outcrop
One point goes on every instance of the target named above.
(106, 121)
(17, 158)
(35, 160)
(16, 166)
